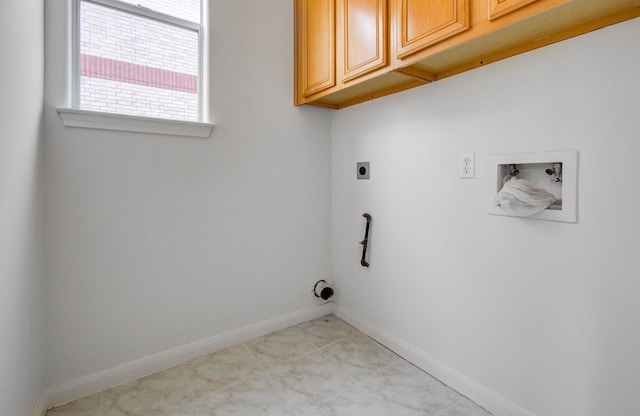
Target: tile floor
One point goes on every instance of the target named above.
(319, 368)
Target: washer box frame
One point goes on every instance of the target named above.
(569, 160)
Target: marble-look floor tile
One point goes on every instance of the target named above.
(313, 377)
(279, 347)
(89, 406)
(305, 410)
(327, 330)
(357, 402)
(295, 395)
(410, 390)
(153, 395)
(253, 397)
(189, 410)
(312, 411)
(215, 371)
(360, 355)
(465, 407)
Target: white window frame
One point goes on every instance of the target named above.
(77, 117)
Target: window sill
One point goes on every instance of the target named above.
(119, 122)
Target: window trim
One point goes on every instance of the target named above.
(147, 13)
(73, 117)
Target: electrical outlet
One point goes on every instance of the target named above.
(467, 165)
(363, 169)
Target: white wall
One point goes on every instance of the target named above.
(542, 314)
(21, 277)
(157, 241)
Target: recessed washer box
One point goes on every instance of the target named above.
(555, 172)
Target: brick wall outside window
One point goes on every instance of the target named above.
(137, 66)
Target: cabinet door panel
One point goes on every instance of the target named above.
(364, 36)
(499, 8)
(422, 23)
(316, 45)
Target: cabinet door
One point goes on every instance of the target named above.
(363, 35)
(315, 44)
(422, 23)
(499, 8)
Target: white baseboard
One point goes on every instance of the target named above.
(102, 380)
(486, 398)
(40, 409)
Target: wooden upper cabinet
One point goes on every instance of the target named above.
(499, 8)
(422, 23)
(350, 51)
(315, 46)
(363, 37)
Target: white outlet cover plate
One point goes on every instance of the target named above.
(467, 165)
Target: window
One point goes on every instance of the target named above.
(140, 58)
